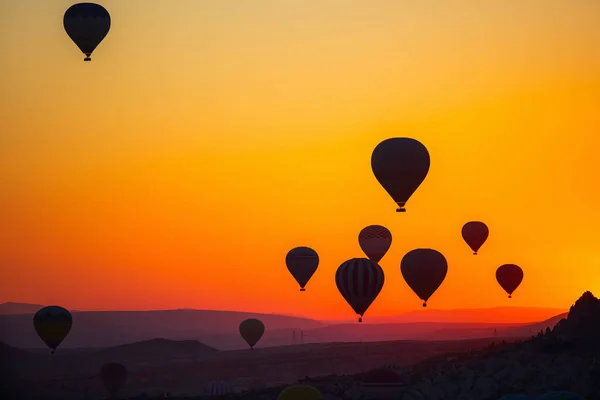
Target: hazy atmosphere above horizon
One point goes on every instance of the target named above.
(208, 138)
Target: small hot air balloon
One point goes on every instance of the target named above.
(560, 395)
(509, 276)
(375, 241)
(113, 376)
(252, 330)
(87, 24)
(302, 262)
(52, 324)
(216, 388)
(475, 233)
(300, 392)
(400, 165)
(359, 280)
(424, 270)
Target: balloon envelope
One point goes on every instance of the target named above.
(375, 241)
(300, 392)
(252, 330)
(302, 262)
(87, 24)
(424, 270)
(509, 276)
(359, 281)
(215, 388)
(400, 165)
(52, 324)
(113, 376)
(475, 233)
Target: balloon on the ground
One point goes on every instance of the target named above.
(509, 276)
(424, 270)
(400, 165)
(302, 262)
(475, 233)
(300, 392)
(52, 324)
(375, 241)
(87, 24)
(359, 281)
(252, 330)
(113, 376)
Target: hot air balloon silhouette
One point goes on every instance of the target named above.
(424, 270)
(400, 165)
(375, 241)
(52, 324)
(252, 330)
(300, 392)
(302, 262)
(359, 281)
(509, 276)
(87, 24)
(113, 376)
(475, 233)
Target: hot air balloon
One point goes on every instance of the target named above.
(302, 262)
(300, 392)
(475, 233)
(509, 276)
(216, 388)
(252, 330)
(375, 241)
(400, 165)
(52, 324)
(424, 270)
(87, 24)
(359, 280)
(561, 395)
(113, 376)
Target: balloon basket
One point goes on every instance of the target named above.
(401, 209)
(424, 304)
(87, 59)
(475, 253)
(303, 290)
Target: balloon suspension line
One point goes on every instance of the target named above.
(401, 207)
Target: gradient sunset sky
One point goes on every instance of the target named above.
(207, 138)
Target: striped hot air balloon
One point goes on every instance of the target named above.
(359, 281)
(215, 388)
(375, 241)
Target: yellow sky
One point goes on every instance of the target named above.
(207, 138)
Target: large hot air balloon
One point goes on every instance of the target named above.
(359, 280)
(52, 324)
(475, 233)
(252, 330)
(302, 262)
(400, 165)
(424, 270)
(561, 395)
(113, 376)
(375, 241)
(87, 24)
(300, 392)
(509, 276)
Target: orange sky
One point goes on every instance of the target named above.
(207, 138)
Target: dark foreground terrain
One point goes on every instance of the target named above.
(564, 358)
